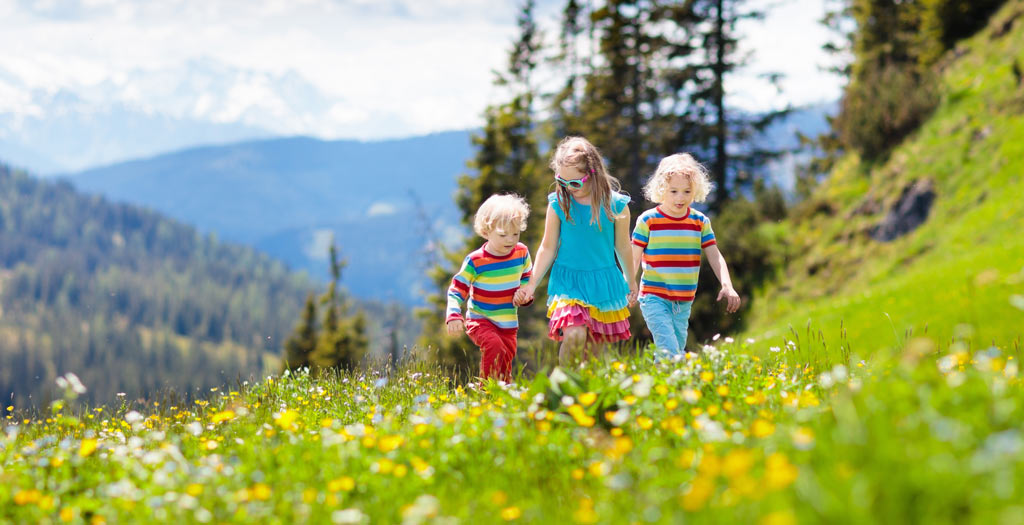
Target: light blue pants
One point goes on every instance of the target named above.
(667, 321)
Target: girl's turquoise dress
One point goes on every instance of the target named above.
(586, 287)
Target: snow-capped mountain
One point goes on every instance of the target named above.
(151, 111)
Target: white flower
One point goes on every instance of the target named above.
(133, 417)
(348, 517)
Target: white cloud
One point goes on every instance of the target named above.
(381, 208)
(371, 68)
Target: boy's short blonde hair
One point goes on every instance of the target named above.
(684, 165)
(506, 212)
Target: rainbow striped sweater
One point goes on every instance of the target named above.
(489, 282)
(672, 247)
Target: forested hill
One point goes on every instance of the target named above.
(920, 235)
(127, 299)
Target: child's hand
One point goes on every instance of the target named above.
(523, 295)
(732, 298)
(456, 327)
(631, 298)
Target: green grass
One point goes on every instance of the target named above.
(922, 436)
(964, 266)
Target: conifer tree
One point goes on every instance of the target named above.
(507, 160)
(342, 340)
(299, 346)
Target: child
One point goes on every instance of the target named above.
(489, 279)
(587, 225)
(667, 243)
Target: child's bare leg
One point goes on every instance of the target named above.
(574, 339)
(596, 350)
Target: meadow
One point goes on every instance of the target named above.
(743, 432)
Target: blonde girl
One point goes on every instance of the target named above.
(586, 247)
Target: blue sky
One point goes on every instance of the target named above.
(334, 69)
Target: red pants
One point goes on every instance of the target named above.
(497, 348)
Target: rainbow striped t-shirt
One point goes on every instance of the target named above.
(671, 257)
(489, 283)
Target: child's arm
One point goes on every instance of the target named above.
(458, 293)
(638, 257)
(640, 238)
(625, 254)
(721, 270)
(545, 257)
(524, 279)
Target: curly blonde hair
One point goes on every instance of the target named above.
(579, 153)
(506, 212)
(684, 165)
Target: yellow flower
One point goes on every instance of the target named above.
(25, 497)
(587, 398)
(697, 495)
(661, 390)
(389, 443)
(226, 415)
(194, 489)
(629, 400)
(723, 390)
(344, 483)
(578, 474)
(585, 513)
(671, 404)
(762, 428)
(87, 447)
(511, 513)
(286, 420)
(779, 473)
(803, 438)
(736, 463)
(582, 419)
(260, 491)
(644, 422)
(707, 376)
(67, 514)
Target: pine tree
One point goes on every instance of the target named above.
(342, 340)
(300, 345)
(725, 140)
(507, 160)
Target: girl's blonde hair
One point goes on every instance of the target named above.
(684, 165)
(507, 212)
(579, 153)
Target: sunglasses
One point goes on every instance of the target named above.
(574, 184)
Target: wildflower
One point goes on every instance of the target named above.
(581, 417)
(260, 491)
(697, 494)
(691, 396)
(449, 413)
(587, 398)
(762, 428)
(644, 422)
(803, 438)
(671, 404)
(348, 517)
(343, 483)
(287, 419)
(511, 513)
(737, 463)
(779, 473)
(585, 513)
(87, 447)
(707, 376)
(220, 417)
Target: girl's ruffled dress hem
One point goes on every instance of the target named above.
(605, 311)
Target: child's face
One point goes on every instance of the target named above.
(678, 195)
(500, 242)
(570, 173)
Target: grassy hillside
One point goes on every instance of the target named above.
(720, 438)
(961, 272)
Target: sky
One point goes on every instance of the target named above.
(328, 68)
